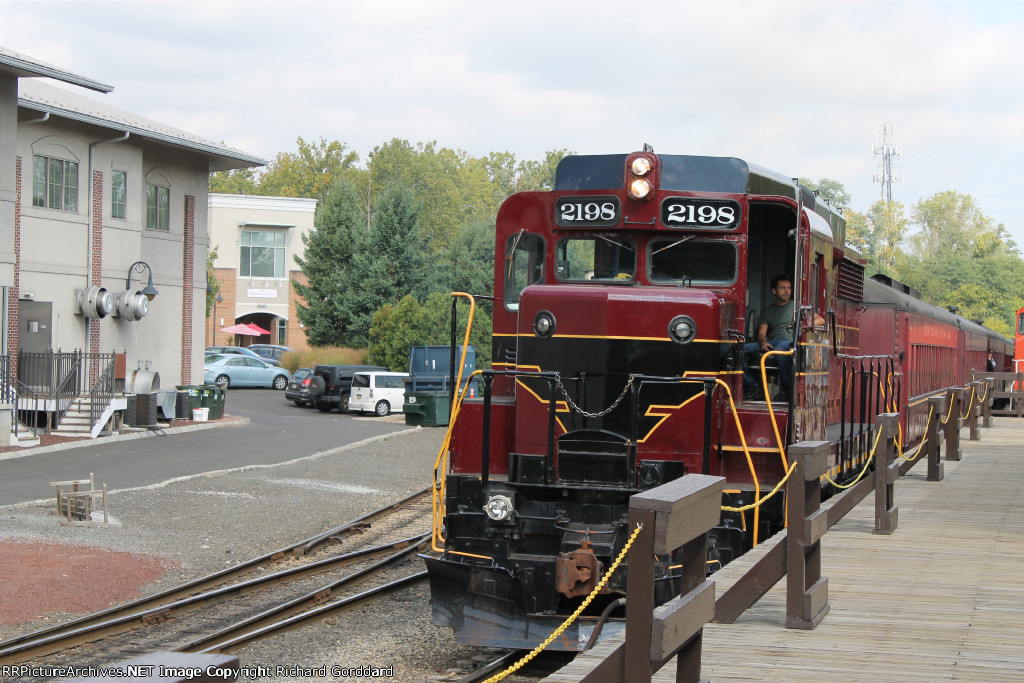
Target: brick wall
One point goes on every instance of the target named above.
(296, 335)
(187, 293)
(225, 309)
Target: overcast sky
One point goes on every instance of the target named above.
(799, 87)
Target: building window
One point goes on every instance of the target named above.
(54, 183)
(118, 193)
(158, 207)
(282, 332)
(262, 254)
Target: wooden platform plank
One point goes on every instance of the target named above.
(940, 599)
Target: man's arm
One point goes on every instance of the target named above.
(762, 337)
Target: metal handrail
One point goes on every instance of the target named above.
(101, 393)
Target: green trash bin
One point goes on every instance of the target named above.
(216, 401)
(212, 399)
(194, 396)
(427, 408)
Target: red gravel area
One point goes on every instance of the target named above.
(44, 577)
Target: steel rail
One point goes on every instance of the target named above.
(357, 525)
(498, 664)
(297, 606)
(74, 633)
(308, 616)
(207, 582)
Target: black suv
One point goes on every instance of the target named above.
(330, 385)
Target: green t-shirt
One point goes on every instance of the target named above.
(779, 320)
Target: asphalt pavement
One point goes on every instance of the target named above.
(277, 431)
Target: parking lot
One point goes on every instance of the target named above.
(277, 431)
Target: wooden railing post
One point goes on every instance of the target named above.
(954, 397)
(986, 405)
(886, 473)
(973, 393)
(806, 589)
(678, 514)
(936, 406)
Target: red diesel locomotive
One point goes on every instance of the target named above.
(623, 300)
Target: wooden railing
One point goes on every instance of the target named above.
(674, 515)
(796, 553)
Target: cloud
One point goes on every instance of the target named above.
(796, 86)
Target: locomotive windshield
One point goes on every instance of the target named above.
(598, 257)
(692, 261)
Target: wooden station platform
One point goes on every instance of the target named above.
(941, 599)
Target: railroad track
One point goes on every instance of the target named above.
(230, 608)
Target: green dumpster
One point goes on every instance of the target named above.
(427, 408)
(194, 400)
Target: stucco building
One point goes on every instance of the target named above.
(97, 204)
(257, 239)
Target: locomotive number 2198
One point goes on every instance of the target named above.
(590, 212)
(700, 212)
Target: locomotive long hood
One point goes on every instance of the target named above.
(626, 312)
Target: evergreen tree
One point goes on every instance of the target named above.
(387, 264)
(328, 253)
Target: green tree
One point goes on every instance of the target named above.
(236, 181)
(308, 172)
(540, 175)
(328, 253)
(396, 327)
(211, 280)
(387, 263)
(960, 257)
(831, 190)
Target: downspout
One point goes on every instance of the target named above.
(88, 264)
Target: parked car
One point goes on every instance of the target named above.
(377, 391)
(298, 387)
(235, 370)
(239, 350)
(330, 385)
(271, 352)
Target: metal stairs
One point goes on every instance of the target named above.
(77, 421)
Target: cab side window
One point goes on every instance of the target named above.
(524, 266)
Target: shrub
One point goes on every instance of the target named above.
(323, 355)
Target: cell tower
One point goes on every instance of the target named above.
(887, 152)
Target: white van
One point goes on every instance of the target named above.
(380, 392)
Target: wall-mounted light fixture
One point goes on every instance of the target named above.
(138, 267)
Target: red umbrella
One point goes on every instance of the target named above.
(241, 329)
(257, 329)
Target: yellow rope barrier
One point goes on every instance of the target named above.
(920, 448)
(579, 610)
(970, 404)
(758, 502)
(863, 470)
(949, 414)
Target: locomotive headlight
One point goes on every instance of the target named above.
(641, 166)
(639, 188)
(544, 324)
(499, 508)
(682, 329)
